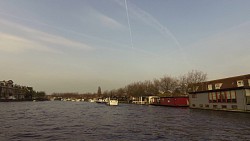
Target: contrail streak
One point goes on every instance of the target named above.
(130, 31)
(56, 27)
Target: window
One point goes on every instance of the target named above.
(206, 105)
(193, 105)
(233, 96)
(201, 105)
(215, 106)
(218, 96)
(196, 88)
(224, 106)
(214, 97)
(210, 87)
(248, 100)
(234, 106)
(240, 83)
(218, 85)
(228, 95)
(223, 97)
(210, 97)
(194, 95)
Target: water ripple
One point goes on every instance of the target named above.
(80, 121)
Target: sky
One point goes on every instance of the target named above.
(78, 45)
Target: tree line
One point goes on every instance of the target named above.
(164, 86)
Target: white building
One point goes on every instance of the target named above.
(231, 94)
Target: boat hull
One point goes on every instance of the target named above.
(172, 101)
(112, 102)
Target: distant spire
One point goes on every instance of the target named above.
(99, 92)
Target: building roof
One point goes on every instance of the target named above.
(237, 82)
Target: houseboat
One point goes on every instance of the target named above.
(153, 99)
(174, 101)
(142, 100)
(230, 94)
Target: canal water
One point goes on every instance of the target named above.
(83, 121)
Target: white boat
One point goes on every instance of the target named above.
(91, 100)
(101, 101)
(112, 102)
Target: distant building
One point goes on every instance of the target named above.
(231, 94)
(9, 91)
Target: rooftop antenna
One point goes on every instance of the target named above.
(130, 31)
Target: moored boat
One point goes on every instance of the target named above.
(112, 102)
(171, 101)
(102, 101)
(92, 100)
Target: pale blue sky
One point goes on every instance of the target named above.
(78, 45)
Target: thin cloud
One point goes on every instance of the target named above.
(112, 23)
(10, 43)
(43, 38)
(149, 20)
(109, 22)
(15, 44)
(105, 20)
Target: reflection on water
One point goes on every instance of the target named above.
(90, 121)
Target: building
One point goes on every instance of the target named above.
(9, 91)
(153, 99)
(230, 94)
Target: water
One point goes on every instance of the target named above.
(83, 121)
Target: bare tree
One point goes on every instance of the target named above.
(196, 76)
(191, 78)
(120, 92)
(182, 84)
(167, 84)
(136, 89)
(150, 88)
